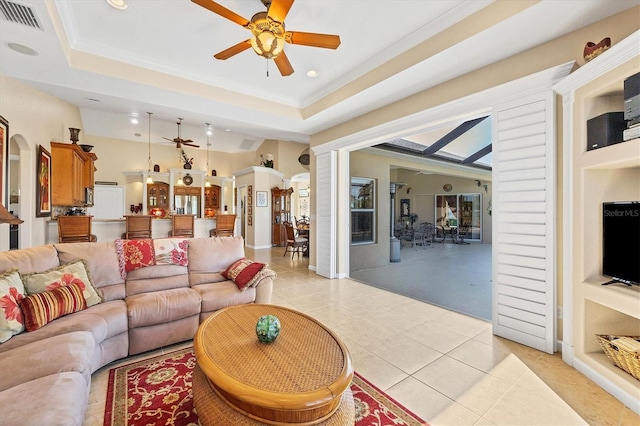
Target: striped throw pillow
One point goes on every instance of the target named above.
(41, 308)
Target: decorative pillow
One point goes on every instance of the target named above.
(171, 251)
(244, 272)
(76, 272)
(134, 254)
(11, 293)
(41, 308)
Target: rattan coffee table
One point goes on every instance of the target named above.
(302, 378)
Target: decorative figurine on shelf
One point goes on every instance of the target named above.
(591, 49)
(266, 162)
(156, 168)
(186, 160)
(74, 134)
(268, 328)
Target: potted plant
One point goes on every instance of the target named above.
(266, 161)
(186, 160)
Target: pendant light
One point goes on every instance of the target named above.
(149, 178)
(207, 184)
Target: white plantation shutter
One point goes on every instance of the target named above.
(523, 222)
(326, 191)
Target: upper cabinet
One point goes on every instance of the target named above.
(72, 171)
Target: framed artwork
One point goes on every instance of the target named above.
(405, 207)
(249, 211)
(4, 160)
(249, 200)
(250, 190)
(249, 221)
(261, 199)
(43, 183)
(303, 193)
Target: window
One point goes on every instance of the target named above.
(462, 210)
(363, 210)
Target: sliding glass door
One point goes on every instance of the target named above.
(458, 213)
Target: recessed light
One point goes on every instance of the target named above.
(312, 73)
(227, 130)
(21, 48)
(118, 4)
(134, 120)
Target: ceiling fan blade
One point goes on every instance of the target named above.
(169, 139)
(283, 64)
(279, 9)
(327, 41)
(233, 50)
(222, 11)
(191, 144)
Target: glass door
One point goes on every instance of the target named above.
(460, 213)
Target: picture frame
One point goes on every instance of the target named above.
(302, 193)
(261, 199)
(249, 200)
(4, 161)
(250, 190)
(405, 210)
(249, 211)
(43, 183)
(249, 221)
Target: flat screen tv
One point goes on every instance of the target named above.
(621, 242)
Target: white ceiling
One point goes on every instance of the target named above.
(157, 56)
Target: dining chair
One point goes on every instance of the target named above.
(225, 225)
(138, 227)
(294, 244)
(182, 225)
(74, 229)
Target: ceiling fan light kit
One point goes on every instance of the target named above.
(268, 33)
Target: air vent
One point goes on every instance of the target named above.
(246, 144)
(20, 14)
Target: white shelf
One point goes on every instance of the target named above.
(618, 297)
(619, 156)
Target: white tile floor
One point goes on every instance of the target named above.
(446, 367)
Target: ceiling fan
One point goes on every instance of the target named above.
(179, 141)
(268, 33)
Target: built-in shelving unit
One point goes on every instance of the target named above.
(610, 173)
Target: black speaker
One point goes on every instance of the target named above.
(605, 130)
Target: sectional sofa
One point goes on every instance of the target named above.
(45, 375)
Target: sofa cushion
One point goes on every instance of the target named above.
(61, 399)
(209, 257)
(62, 353)
(244, 272)
(162, 306)
(41, 308)
(135, 254)
(11, 294)
(103, 265)
(33, 259)
(220, 295)
(75, 272)
(103, 321)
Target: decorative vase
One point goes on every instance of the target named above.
(156, 168)
(187, 166)
(268, 328)
(591, 50)
(214, 173)
(74, 134)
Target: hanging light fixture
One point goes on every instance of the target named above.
(149, 178)
(207, 183)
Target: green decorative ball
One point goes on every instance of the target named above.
(268, 328)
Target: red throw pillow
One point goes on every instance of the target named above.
(41, 308)
(244, 272)
(134, 254)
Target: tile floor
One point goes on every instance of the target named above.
(446, 367)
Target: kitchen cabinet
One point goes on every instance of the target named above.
(72, 170)
(158, 196)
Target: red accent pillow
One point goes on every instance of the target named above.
(41, 308)
(134, 254)
(244, 272)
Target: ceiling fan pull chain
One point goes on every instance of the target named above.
(267, 68)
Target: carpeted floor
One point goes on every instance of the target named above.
(456, 277)
(157, 391)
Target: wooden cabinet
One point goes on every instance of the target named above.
(186, 190)
(72, 170)
(281, 203)
(158, 196)
(212, 197)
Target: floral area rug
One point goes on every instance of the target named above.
(157, 391)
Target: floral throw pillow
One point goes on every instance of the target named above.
(244, 272)
(171, 251)
(11, 293)
(76, 272)
(134, 254)
(41, 308)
